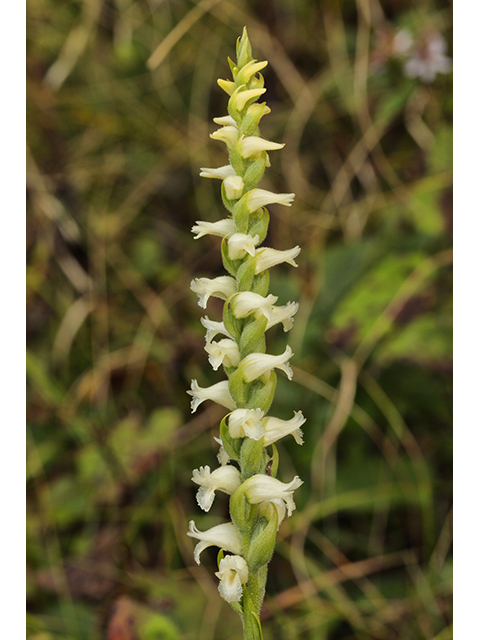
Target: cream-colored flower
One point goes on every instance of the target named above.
(224, 352)
(267, 258)
(246, 422)
(247, 302)
(225, 536)
(226, 478)
(257, 198)
(222, 287)
(257, 364)
(253, 146)
(241, 96)
(233, 187)
(261, 488)
(275, 428)
(221, 173)
(214, 328)
(241, 243)
(218, 393)
(283, 314)
(228, 134)
(222, 228)
(233, 573)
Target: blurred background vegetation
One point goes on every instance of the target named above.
(121, 95)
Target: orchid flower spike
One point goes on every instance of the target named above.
(235, 343)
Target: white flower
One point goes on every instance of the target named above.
(283, 314)
(225, 478)
(221, 172)
(241, 96)
(213, 328)
(275, 428)
(266, 258)
(225, 121)
(428, 59)
(224, 351)
(233, 187)
(228, 134)
(222, 228)
(222, 455)
(253, 145)
(257, 198)
(246, 422)
(249, 70)
(241, 243)
(217, 392)
(257, 364)
(232, 572)
(224, 536)
(222, 287)
(261, 488)
(247, 302)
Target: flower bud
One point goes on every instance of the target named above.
(241, 96)
(263, 541)
(249, 70)
(227, 85)
(233, 187)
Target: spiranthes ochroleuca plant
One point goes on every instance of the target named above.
(248, 457)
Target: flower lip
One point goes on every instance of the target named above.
(233, 573)
(226, 478)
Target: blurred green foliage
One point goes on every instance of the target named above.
(114, 337)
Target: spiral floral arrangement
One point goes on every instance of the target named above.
(248, 457)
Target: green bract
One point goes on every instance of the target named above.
(258, 500)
